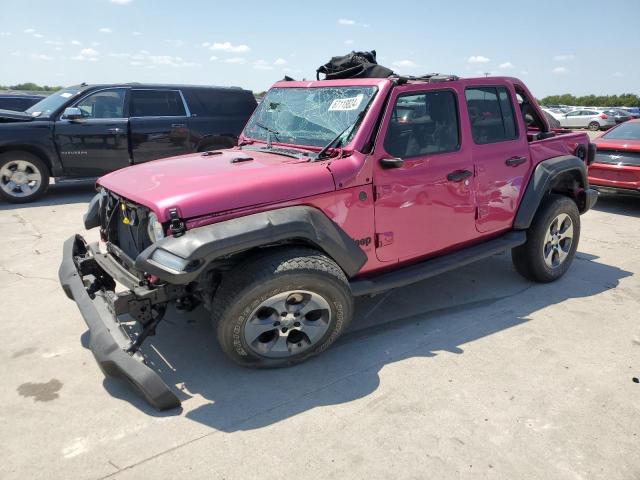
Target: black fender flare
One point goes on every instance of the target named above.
(541, 182)
(200, 246)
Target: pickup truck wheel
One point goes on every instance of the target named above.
(281, 308)
(594, 126)
(552, 241)
(23, 177)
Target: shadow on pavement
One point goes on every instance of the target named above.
(61, 194)
(619, 205)
(439, 314)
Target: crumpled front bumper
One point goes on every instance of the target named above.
(108, 339)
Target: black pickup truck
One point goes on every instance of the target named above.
(89, 130)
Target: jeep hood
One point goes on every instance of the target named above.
(200, 184)
(11, 116)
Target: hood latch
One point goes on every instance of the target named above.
(177, 226)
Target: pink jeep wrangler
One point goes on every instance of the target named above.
(337, 189)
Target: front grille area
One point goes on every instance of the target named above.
(618, 157)
(129, 235)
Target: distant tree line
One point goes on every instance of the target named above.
(623, 100)
(30, 87)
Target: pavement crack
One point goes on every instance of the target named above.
(27, 223)
(22, 275)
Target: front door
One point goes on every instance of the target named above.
(159, 124)
(97, 143)
(500, 153)
(426, 205)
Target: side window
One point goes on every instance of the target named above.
(422, 124)
(156, 103)
(491, 114)
(574, 114)
(103, 104)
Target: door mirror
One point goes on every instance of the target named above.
(72, 113)
(391, 162)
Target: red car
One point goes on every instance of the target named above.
(616, 168)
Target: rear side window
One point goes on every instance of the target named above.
(491, 114)
(156, 103)
(219, 102)
(423, 124)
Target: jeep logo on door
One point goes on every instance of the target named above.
(363, 242)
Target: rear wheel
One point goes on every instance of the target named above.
(552, 241)
(23, 177)
(281, 308)
(594, 126)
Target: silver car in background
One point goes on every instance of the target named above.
(586, 118)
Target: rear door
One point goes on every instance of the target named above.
(500, 153)
(159, 124)
(97, 143)
(572, 119)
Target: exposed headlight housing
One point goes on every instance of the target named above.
(154, 228)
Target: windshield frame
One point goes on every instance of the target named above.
(37, 112)
(377, 92)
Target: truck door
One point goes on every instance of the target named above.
(500, 153)
(98, 142)
(159, 124)
(423, 175)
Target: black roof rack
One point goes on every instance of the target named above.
(429, 78)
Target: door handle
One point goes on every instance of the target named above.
(458, 175)
(178, 125)
(115, 131)
(515, 161)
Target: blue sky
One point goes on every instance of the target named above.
(556, 46)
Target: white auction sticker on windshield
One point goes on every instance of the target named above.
(346, 104)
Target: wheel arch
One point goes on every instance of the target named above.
(300, 225)
(566, 175)
(35, 151)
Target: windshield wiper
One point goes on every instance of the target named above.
(322, 153)
(270, 131)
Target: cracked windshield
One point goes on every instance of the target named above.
(309, 116)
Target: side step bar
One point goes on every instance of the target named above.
(436, 266)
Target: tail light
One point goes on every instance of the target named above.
(603, 116)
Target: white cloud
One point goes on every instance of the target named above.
(280, 62)
(564, 57)
(524, 72)
(262, 65)
(175, 43)
(347, 22)
(506, 66)
(167, 60)
(95, 44)
(560, 70)
(5, 34)
(41, 56)
(213, 58)
(87, 54)
(348, 42)
(105, 30)
(29, 30)
(136, 34)
(55, 43)
(121, 2)
(205, 44)
(38, 35)
(618, 74)
(235, 60)
(76, 43)
(404, 64)
(144, 52)
(478, 59)
(135, 63)
(15, 54)
(229, 47)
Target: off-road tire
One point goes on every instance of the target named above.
(528, 258)
(269, 273)
(594, 126)
(37, 164)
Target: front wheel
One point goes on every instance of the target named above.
(23, 177)
(552, 241)
(281, 308)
